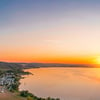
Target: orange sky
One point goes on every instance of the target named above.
(56, 31)
(48, 59)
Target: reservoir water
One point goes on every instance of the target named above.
(63, 83)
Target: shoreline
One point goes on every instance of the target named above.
(13, 91)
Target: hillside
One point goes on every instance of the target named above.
(10, 66)
(19, 66)
(38, 65)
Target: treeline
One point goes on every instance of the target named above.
(30, 96)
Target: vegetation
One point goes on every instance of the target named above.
(1, 72)
(10, 66)
(30, 96)
(17, 71)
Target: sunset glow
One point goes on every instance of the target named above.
(59, 31)
(97, 60)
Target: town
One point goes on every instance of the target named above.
(8, 81)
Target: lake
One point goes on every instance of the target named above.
(63, 83)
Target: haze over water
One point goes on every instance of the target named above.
(64, 83)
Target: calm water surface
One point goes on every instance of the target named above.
(64, 83)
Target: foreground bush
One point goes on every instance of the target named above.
(30, 96)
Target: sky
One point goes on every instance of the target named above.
(57, 31)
